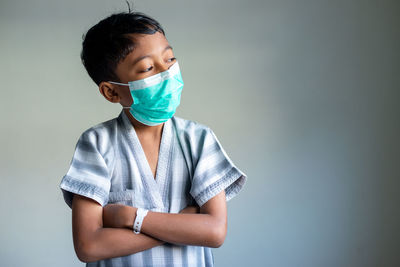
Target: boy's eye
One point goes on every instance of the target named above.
(171, 59)
(148, 69)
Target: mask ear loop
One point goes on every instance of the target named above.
(123, 84)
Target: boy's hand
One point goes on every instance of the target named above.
(118, 215)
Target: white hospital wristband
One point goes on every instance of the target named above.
(137, 224)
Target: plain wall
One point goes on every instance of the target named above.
(303, 96)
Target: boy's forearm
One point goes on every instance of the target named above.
(182, 229)
(116, 242)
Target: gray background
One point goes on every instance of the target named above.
(303, 96)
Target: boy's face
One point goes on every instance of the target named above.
(151, 55)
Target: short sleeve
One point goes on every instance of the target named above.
(88, 174)
(214, 172)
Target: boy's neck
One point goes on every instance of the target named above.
(141, 128)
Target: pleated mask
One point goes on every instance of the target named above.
(156, 98)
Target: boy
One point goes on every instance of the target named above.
(146, 188)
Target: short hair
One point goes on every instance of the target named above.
(107, 43)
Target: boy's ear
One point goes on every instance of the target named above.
(109, 91)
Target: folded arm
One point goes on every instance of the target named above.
(205, 229)
(92, 242)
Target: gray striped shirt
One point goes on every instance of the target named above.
(109, 166)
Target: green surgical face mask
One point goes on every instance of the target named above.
(156, 98)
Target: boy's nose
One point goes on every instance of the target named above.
(162, 66)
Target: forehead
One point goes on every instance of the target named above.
(147, 47)
(146, 44)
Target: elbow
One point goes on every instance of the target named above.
(218, 235)
(85, 252)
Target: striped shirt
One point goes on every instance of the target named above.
(110, 166)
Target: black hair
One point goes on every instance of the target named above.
(108, 42)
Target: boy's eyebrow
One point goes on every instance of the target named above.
(145, 56)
